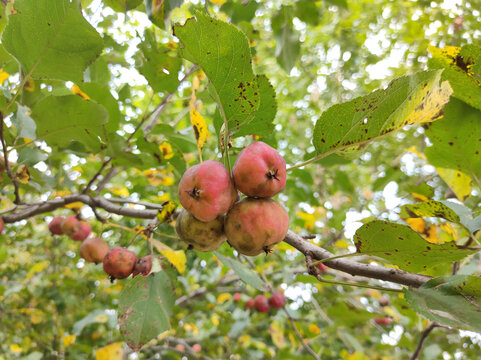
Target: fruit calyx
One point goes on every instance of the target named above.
(194, 193)
(272, 175)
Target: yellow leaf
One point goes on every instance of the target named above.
(159, 177)
(417, 224)
(276, 329)
(68, 340)
(355, 356)
(460, 183)
(166, 150)
(75, 205)
(3, 76)
(432, 234)
(110, 352)
(176, 258)
(313, 328)
(76, 91)
(23, 175)
(15, 348)
(101, 318)
(309, 219)
(195, 83)
(198, 123)
(419, 196)
(168, 209)
(342, 244)
(62, 193)
(162, 198)
(191, 327)
(29, 84)
(448, 51)
(120, 191)
(38, 267)
(215, 320)
(433, 101)
(218, 2)
(172, 45)
(160, 246)
(222, 298)
(78, 168)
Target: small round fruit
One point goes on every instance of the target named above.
(254, 226)
(202, 236)
(119, 263)
(383, 301)
(82, 233)
(70, 225)
(249, 304)
(261, 304)
(259, 171)
(383, 321)
(55, 226)
(196, 348)
(237, 297)
(93, 250)
(206, 190)
(277, 300)
(2, 225)
(143, 266)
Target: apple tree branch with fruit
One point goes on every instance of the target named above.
(227, 154)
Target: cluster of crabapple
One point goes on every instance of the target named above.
(213, 213)
(2, 225)
(118, 262)
(262, 304)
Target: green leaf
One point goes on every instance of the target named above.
(240, 10)
(145, 307)
(96, 316)
(24, 123)
(156, 63)
(61, 119)
(288, 45)
(456, 140)
(102, 95)
(30, 157)
(402, 246)
(122, 5)
(431, 208)
(466, 217)
(51, 39)
(222, 51)
(158, 11)
(450, 300)
(407, 100)
(261, 124)
(460, 67)
(247, 275)
(349, 315)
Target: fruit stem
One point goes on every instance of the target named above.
(358, 285)
(314, 263)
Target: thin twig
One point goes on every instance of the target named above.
(158, 110)
(112, 172)
(7, 165)
(97, 174)
(424, 335)
(299, 336)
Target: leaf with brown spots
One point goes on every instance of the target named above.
(145, 307)
(449, 300)
(462, 68)
(456, 140)
(412, 99)
(222, 51)
(431, 208)
(404, 247)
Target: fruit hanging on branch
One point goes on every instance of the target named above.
(143, 266)
(259, 171)
(202, 236)
(261, 304)
(93, 250)
(206, 190)
(277, 300)
(254, 225)
(119, 263)
(55, 226)
(70, 225)
(82, 233)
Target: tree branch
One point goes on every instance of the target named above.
(353, 267)
(7, 165)
(348, 266)
(424, 335)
